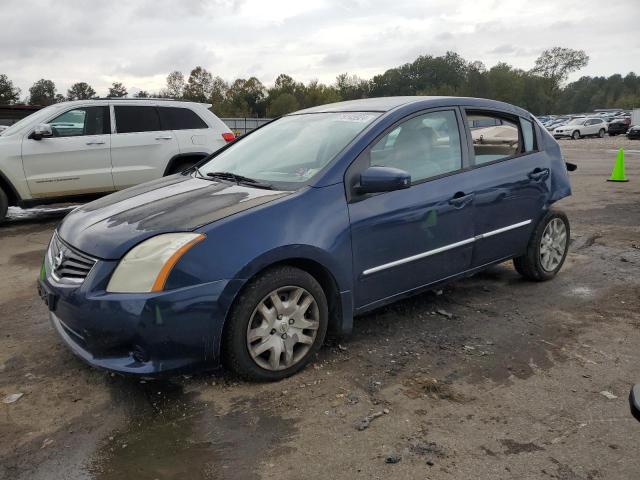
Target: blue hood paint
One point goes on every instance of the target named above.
(107, 228)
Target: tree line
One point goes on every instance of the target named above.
(540, 90)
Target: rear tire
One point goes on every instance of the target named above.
(547, 248)
(576, 135)
(601, 133)
(267, 341)
(612, 134)
(4, 205)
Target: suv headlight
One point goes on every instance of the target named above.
(146, 267)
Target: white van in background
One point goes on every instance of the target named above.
(83, 149)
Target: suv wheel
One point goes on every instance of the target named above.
(4, 205)
(547, 248)
(276, 325)
(576, 135)
(601, 133)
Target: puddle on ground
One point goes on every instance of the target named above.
(17, 215)
(583, 292)
(173, 435)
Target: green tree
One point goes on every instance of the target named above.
(351, 87)
(43, 92)
(199, 85)
(80, 91)
(117, 90)
(175, 84)
(247, 97)
(8, 93)
(142, 94)
(315, 93)
(557, 63)
(283, 104)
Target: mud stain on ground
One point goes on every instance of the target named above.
(515, 448)
(31, 259)
(171, 434)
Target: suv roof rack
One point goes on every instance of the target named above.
(141, 98)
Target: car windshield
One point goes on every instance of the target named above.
(290, 151)
(39, 115)
(576, 121)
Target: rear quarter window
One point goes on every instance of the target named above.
(174, 118)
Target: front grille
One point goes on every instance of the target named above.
(67, 264)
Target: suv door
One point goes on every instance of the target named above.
(190, 130)
(140, 147)
(512, 181)
(76, 159)
(405, 239)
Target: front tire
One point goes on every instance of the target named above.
(547, 248)
(4, 205)
(276, 325)
(576, 135)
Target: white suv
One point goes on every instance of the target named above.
(83, 149)
(581, 127)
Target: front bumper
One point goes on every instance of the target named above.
(562, 134)
(634, 134)
(145, 334)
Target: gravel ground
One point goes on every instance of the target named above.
(494, 377)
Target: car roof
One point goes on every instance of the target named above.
(169, 102)
(386, 104)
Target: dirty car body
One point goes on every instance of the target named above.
(473, 207)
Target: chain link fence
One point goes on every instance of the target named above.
(242, 125)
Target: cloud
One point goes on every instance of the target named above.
(139, 43)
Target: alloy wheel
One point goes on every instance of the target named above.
(283, 328)
(553, 244)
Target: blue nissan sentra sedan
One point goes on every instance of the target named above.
(249, 257)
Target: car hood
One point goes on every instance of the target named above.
(107, 228)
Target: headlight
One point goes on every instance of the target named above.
(146, 267)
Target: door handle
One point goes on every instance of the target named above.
(95, 142)
(164, 137)
(460, 199)
(539, 174)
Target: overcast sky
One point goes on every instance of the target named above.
(138, 42)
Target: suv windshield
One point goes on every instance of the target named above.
(577, 121)
(291, 150)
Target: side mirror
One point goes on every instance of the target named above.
(383, 179)
(42, 130)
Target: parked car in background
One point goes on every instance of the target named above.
(556, 122)
(619, 125)
(581, 127)
(323, 214)
(77, 150)
(634, 133)
(3, 128)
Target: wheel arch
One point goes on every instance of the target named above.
(181, 157)
(339, 301)
(10, 191)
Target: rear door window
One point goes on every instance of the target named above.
(502, 139)
(174, 118)
(133, 118)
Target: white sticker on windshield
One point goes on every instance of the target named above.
(358, 117)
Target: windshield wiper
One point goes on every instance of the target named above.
(240, 179)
